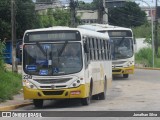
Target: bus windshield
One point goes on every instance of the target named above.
(52, 58)
(121, 48)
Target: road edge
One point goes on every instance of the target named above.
(13, 107)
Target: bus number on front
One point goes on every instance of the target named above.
(27, 77)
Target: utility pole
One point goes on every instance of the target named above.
(105, 13)
(73, 13)
(13, 21)
(100, 12)
(156, 30)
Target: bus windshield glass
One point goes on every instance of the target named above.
(52, 58)
(122, 48)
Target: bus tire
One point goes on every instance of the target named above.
(125, 75)
(38, 103)
(87, 100)
(95, 97)
(102, 96)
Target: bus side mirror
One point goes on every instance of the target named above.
(86, 49)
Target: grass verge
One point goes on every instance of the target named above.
(10, 84)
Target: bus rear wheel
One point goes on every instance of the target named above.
(102, 96)
(38, 103)
(125, 75)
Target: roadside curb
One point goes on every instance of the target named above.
(147, 68)
(12, 107)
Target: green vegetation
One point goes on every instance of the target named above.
(10, 84)
(144, 56)
(88, 6)
(25, 17)
(2, 48)
(28, 18)
(130, 15)
(143, 31)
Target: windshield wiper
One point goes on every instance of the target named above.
(121, 41)
(41, 49)
(62, 49)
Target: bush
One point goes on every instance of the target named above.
(2, 48)
(10, 84)
(144, 56)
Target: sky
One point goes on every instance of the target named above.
(150, 2)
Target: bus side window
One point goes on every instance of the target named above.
(109, 48)
(102, 49)
(106, 46)
(104, 53)
(110, 52)
(90, 49)
(98, 49)
(88, 57)
(93, 46)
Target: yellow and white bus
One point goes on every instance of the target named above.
(63, 63)
(122, 42)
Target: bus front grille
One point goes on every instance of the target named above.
(49, 87)
(52, 81)
(118, 62)
(53, 92)
(118, 70)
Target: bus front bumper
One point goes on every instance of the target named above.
(79, 92)
(125, 70)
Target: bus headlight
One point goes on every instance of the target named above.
(130, 63)
(76, 83)
(29, 84)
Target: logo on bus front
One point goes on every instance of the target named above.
(43, 72)
(52, 86)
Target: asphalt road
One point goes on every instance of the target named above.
(139, 92)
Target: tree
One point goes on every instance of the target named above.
(5, 15)
(62, 17)
(56, 17)
(45, 19)
(25, 17)
(128, 16)
(88, 6)
(139, 32)
(2, 49)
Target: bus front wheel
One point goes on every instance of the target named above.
(38, 103)
(125, 75)
(87, 100)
